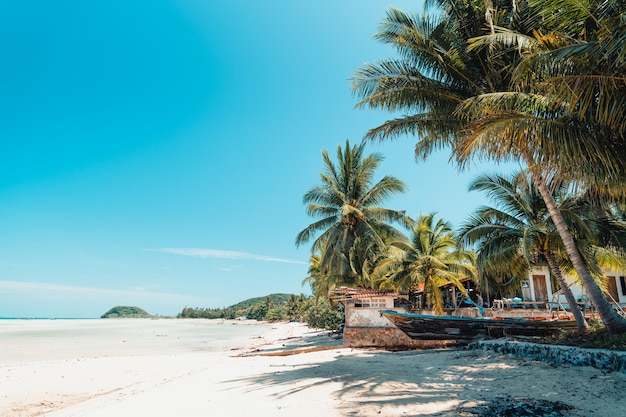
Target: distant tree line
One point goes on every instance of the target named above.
(316, 312)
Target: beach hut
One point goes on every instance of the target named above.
(366, 327)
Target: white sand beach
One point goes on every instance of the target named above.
(159, 368)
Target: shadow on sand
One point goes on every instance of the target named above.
(440, 383)
(313, 342)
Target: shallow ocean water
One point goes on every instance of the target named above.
(42, 339)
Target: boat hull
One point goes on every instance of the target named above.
(424, 327)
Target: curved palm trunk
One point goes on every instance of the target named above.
(423, 298)
(613, 322)
(569, 296)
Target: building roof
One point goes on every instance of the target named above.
(346, 293)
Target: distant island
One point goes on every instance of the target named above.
(125, 312)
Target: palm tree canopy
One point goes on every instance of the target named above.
(459, 76)
(432, 258)
(566, 104)
(486, 114)
(589, 71)
(518, 232)
(352, 225)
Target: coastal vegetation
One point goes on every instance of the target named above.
(596, 338)
(432, 257)
(540, 83)
(258, 308)
(125, 312)
(518, 233)
(517, 237)
(316, 312)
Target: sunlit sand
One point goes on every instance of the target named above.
(89, 368)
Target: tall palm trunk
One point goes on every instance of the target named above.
(351, 257)
(424, 297)
(569, 296)
(613, 322)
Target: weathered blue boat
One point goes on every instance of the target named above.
(425, 327)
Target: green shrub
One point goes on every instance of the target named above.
(277, 314)
(257, 312)
(322, 315)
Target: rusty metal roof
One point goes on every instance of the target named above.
(346, 293)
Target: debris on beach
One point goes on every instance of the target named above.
(519, 407)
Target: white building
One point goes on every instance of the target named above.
(538, 287)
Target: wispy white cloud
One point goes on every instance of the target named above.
(224, 254)
(7, 286)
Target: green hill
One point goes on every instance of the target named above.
(270, 307)
(277, 299)
(275, 307)
(125, 312)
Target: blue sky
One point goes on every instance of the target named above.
(155, 153)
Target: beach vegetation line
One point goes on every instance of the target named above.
(315, 311)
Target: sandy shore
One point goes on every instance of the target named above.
(163, 368)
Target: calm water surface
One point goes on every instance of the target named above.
(71, 338)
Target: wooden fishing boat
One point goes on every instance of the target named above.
(425, 327)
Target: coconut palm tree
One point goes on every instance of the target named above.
(464, 97)
(296, 306)
(571, 140)
(431, 258)
(353, 226)
(320, 284)
(518, 233)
